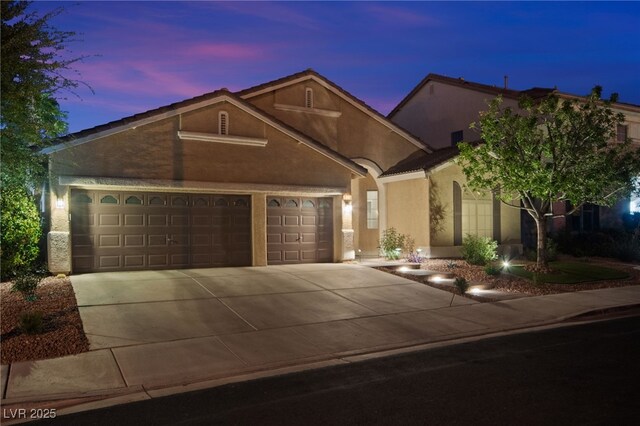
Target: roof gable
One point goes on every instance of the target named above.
(193, 104)
(309, 74)
(534, 93)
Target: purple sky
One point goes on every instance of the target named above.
(143, 55)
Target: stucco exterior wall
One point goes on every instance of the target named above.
(366, 240)
(154, 151)
(439, 109)
(353, 133)
(443, 180)
(408, 209)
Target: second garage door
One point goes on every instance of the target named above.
(299, 230)
(114, 231)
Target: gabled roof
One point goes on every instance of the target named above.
(310, 74)
(422, 161)
(534, 92)
(222, 95)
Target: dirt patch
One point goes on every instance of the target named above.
(508, 283)
(63, 333)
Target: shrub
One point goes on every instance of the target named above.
(20, 230)
(31, 322)
(479, 250)
(26, 284)
(492, 270)
(415, 257)
(392, 243)
(462, 285)
(605, 243)
(451, 264)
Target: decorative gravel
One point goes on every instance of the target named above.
(506, 282)
(63, 333)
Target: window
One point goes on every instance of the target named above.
(477, 217)
(308, 97)
(133, 200)
(223, 123)
(621, 133)
(372, 209)
(456, 137)
(108, 199)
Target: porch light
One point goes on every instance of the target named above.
(60, 203)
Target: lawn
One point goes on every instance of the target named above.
(572, 273)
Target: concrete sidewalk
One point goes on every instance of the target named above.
(230, 329)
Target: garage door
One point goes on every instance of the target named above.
(115, 231)
(299, 230)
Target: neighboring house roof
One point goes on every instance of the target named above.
(534, 92)
(310, 74)
(422, 161)
(191, 104)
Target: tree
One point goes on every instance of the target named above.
(548, 152)
(32, 73)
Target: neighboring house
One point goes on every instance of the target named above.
(440, 109)
(289, 171)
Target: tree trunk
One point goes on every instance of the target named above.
(541, 263)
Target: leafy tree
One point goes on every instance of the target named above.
(551, 151)
(32, 73)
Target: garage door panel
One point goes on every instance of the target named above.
(291, 238)
(109, 219)
(106, 261)
(134, 240)
(274, 238)
(112, 231)
(158, 220)
(134, 261)
(158, 260)
(274, 220)
(309, 220)
(158, 240)
(292, 221)
(107, 241)
(133, 220)
(292, 256)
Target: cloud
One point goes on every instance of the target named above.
(235, 51)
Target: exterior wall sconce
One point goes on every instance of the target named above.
(60, 203)
(346, 198)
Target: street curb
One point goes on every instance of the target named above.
(91, 400)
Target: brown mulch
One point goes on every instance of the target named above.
(63, 333)
(510, 283)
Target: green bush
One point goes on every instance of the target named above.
(392, 243)
(462, 285)
(479, 250)
(20, 230)
(26, 283)
(492, 270)
(31, 322)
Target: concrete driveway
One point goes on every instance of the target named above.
(168, 326)
(129, 308)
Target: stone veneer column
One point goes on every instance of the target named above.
(345, 209)
(259, 228)
(59, 237)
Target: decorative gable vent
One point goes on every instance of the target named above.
(308, 97)
(223, 123)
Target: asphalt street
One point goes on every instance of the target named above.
(583, 374)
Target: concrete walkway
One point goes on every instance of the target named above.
(161, 332)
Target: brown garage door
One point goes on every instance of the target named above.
(114, 231)
(299, 230)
